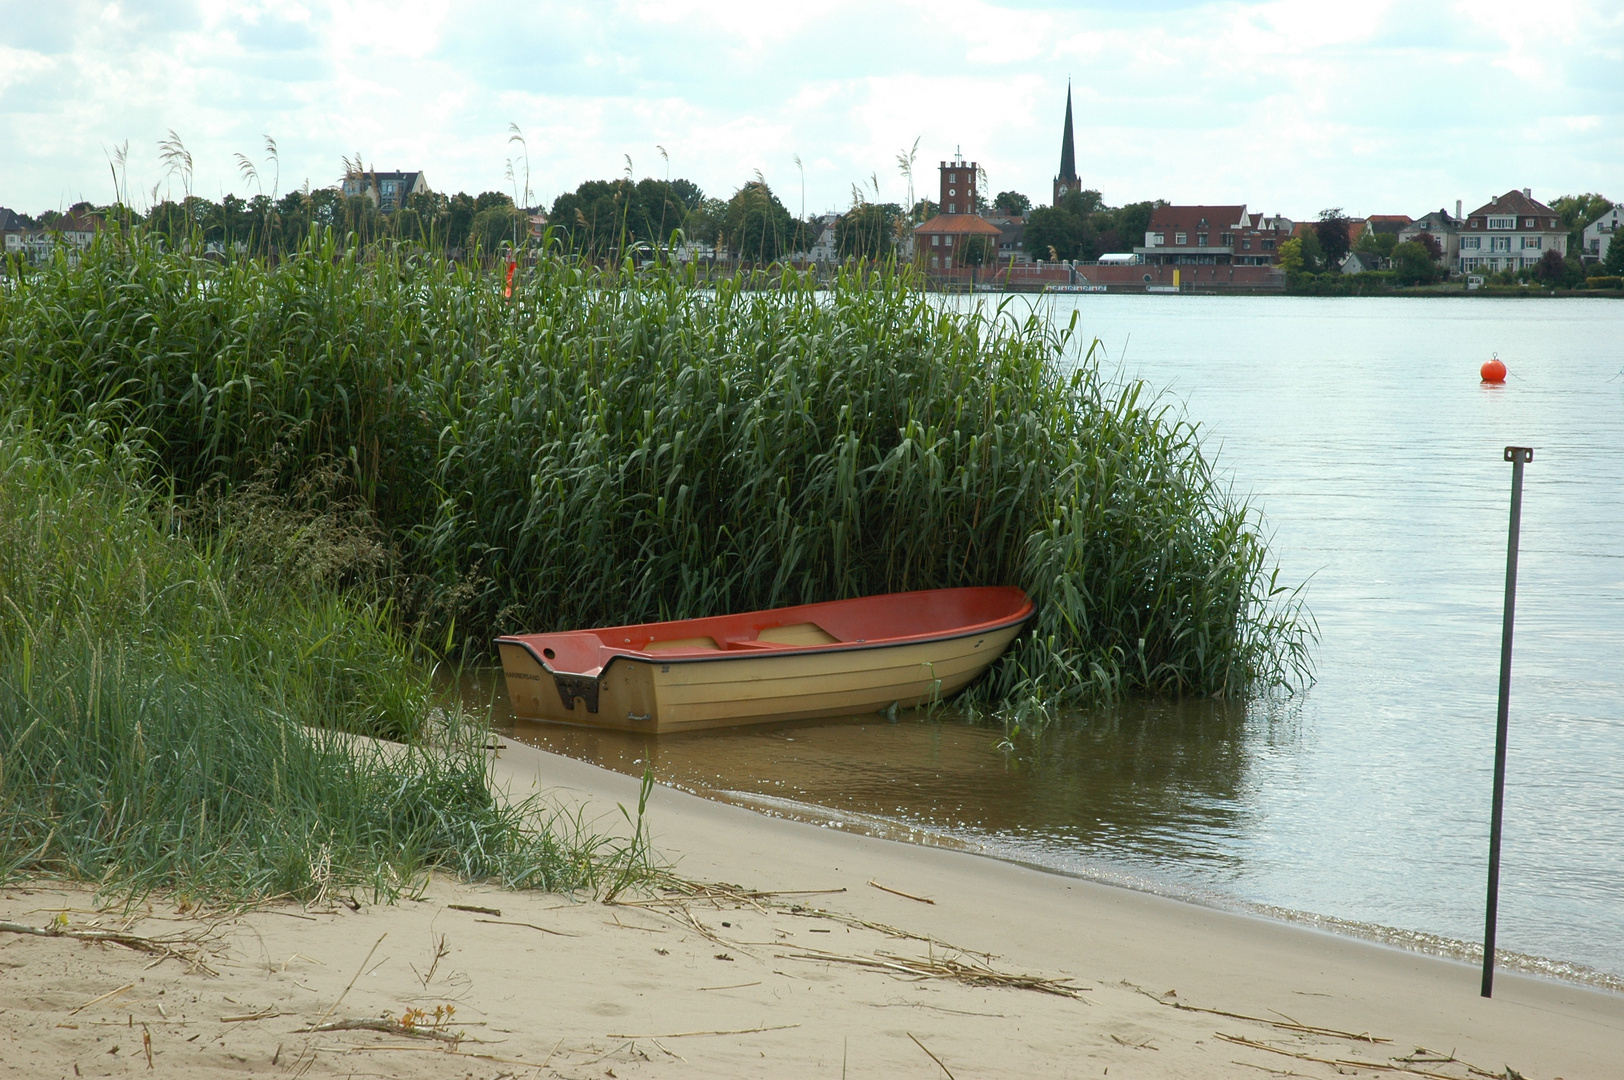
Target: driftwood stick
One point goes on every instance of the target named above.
(102, 997)
(386, 1024)
(184, 949)
(1335, 1063)
(905, 896)
(1288, 1024)
(531, 925)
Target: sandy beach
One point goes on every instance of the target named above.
(830, 955)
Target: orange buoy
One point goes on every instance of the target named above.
(1493, 371)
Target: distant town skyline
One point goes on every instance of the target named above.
(1288, 107)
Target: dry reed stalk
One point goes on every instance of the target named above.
(101, 997)
(689, 1034)
(533, 926)
(1288, 1024)
(899, 892)
(187, 948)
(926, 1049)
(389, 1026)
(977, 974)
(1354, 1063)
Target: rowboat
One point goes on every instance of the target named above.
(840, 658)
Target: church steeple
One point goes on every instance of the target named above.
(1067, 180)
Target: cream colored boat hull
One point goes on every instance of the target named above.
(651, 695)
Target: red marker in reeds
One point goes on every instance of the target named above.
(507, 290)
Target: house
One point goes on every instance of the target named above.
(946, 240)
(1598, 235)
(1442, 228)
(387, 190)
(12, 232)
(1512, 232)
(1386, 224)
(1011, 233)
(74, 231)
(1210, 236)
(1360, 262)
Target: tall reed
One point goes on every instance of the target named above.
(614, 447)
(171, 719)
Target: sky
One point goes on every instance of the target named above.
(1290, 106)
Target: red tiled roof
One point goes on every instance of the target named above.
(1189, 218)
(959, 225)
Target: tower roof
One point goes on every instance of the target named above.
(1068, 145)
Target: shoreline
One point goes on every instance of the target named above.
(1420, 942)
(832, 954)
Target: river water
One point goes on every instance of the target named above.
(1359, 427)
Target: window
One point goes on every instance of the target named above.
(1472, 243)
(1533, 242)
(952, 178)
(1528, 223)
(935, 262)
(952, 208)
(1158, 239)
(947, 263)
(936, 240)
(1228, 240)
(1200, 239)
(951, 191)
(947, 242)
(1268, 245)
(1246, 245)
(1499, 243)
(1182, 238)
(1502, 223)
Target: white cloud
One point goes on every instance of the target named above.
(1290, 105)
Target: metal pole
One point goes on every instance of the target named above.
(1517, 455)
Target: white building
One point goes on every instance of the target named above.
(1512, 232)
(387, 190)
(1442, 228)
(1598, 235)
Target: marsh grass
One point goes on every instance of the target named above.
(621, 445)
(179, 716)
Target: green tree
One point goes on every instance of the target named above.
(1052, 232)
(1011, 203)
(1577, 211)
(1291, 256)
(758, 227)
(605, 217)
(460, 211)
(498, 225)
(1374, 243)
(867, 231)
(1614, 261)
(1313, 255)
(1413, 265)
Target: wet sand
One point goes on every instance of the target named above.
(554, 986)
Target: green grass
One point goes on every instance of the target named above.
(178, 716)
(612, 447)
